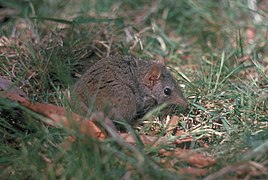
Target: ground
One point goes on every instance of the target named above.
(216, 49)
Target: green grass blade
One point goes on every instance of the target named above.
(63, 21)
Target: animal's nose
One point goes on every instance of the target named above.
(180, 101)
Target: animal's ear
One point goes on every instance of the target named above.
(160, 60)
(153, 75)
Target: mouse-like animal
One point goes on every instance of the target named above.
(126, 88)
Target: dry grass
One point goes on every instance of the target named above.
(219, 52)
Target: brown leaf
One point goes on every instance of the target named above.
(200, 160)
(248, 169)
(193, 158)
(59, 116)
(172, 125)
(251, 34)
(145, 139)
(193, 171)
(179, 133)
(184, 140)
(154, 140)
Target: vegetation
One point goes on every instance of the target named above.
(217, 50)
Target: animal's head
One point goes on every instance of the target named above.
(163, 86)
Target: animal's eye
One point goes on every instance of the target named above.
(167, 91)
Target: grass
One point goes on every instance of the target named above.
(222, 70)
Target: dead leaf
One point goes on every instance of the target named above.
(251, 35)
(179, 133)
(248, 169)
(200, 160)
(193, 171)
(155, 140)
(191, 157)
(172, 125)
(59, 116)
